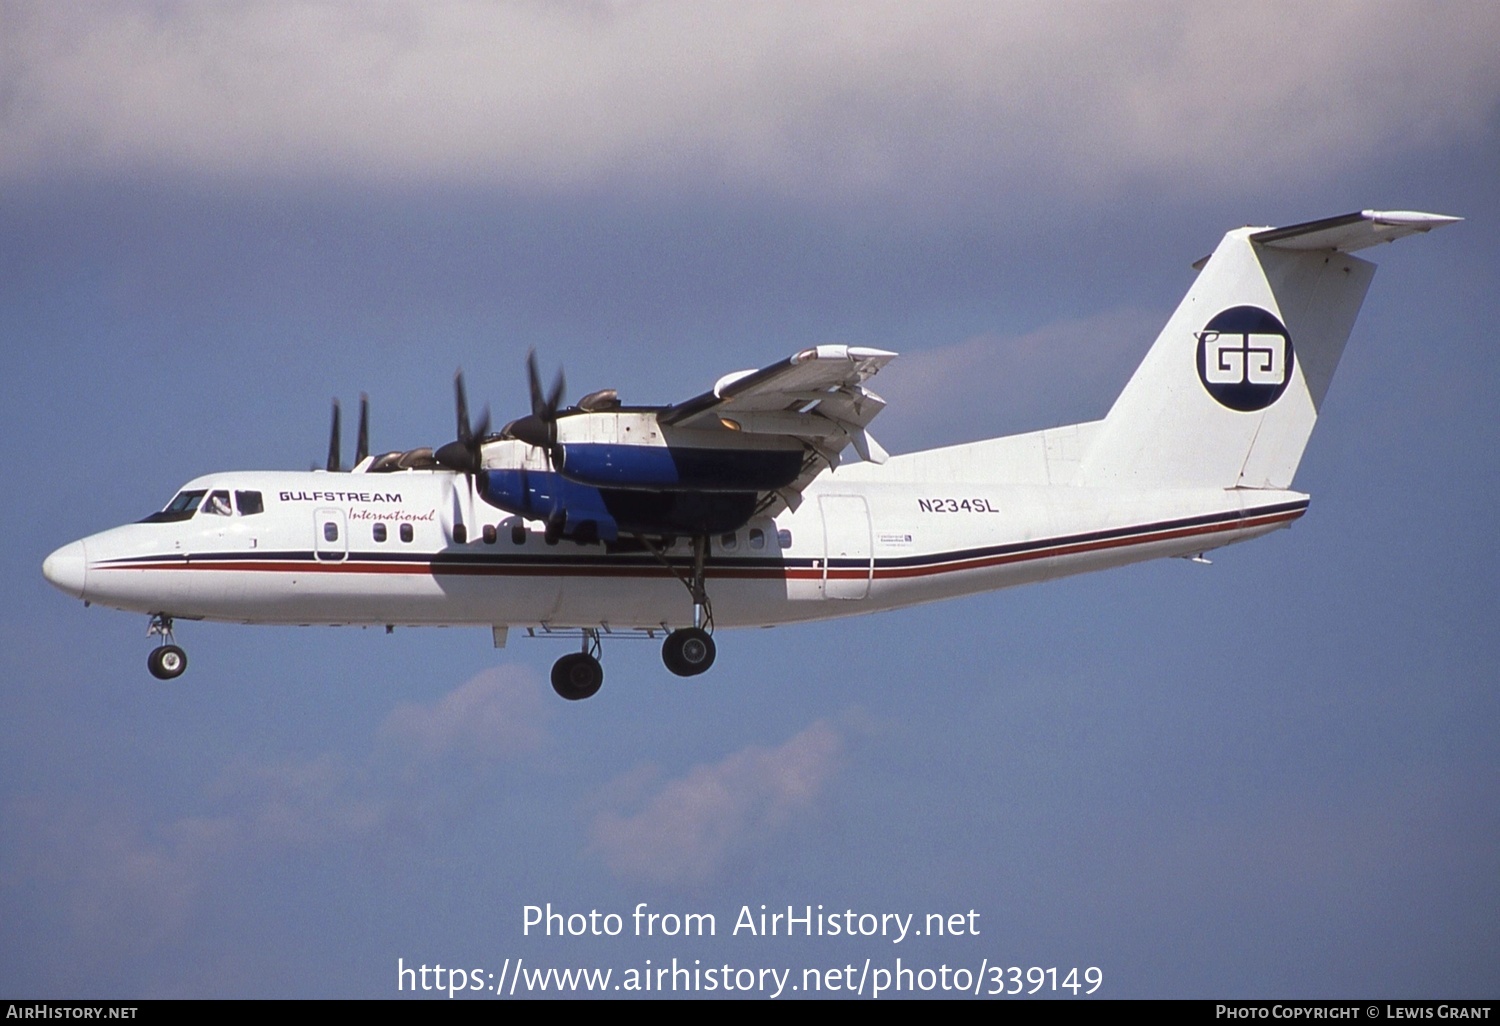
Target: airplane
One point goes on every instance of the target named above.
(591, 521)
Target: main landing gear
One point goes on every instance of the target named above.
(167, 661)
(689, 651)
(579, 675)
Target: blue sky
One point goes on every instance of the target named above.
(1275, 776)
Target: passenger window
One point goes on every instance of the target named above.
(460, 533)
(406, 532)
(330, 531)
(379, 531)
(250, 503)
(757, 538)
(784, 538)
(217, 504)
(489, 534)
(729, 541)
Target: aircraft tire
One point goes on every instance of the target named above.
(688, 651)
(166, 662)
(577, 676)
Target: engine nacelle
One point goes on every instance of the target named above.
(674, 468)
(587, 514)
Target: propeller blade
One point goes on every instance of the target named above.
(464, 454)
(534, 381)
(461, 402)
(543, 406)
(362, 448)
(333, 465)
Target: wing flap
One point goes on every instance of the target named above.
(813, 395)
(817, 397)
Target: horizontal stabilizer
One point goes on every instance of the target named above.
(1350, 232)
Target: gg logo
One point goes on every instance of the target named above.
(1245, 358)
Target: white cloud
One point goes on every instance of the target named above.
(499, 713)
(810, 99)
(118, 887)
(129, 885)
(696, 825)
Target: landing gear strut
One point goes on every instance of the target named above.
(579, 675)
(167, 661)
(690, 651)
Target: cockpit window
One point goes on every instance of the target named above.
(249, 503)
(182, 507)
(218, 504)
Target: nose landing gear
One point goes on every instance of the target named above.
(167, 661)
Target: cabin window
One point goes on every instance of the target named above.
(729, 541)
(784, 538)
(379, 531)
(218, 504)
(182, 507)
(330, 531)
(460, 533)
(757, 538)
(406, 532)
(490, 534)
(186, 502)
(518, 534)
(250, 503)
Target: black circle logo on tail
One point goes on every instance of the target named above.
(1245, 358)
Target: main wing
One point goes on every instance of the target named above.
(817, 397)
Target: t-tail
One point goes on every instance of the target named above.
(1228, 395)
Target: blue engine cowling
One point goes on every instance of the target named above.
(586, 513)
(678, 468)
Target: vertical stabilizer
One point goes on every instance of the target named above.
(1228, 395)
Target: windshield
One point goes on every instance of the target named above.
(182, 506)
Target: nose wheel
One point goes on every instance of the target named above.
(167, 661)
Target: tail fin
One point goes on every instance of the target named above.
(1228, 395)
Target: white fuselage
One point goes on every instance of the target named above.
(418, 547)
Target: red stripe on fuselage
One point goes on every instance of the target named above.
(777, 571)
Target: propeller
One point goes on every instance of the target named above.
(540, 428)
(463, 453)
(335, 462)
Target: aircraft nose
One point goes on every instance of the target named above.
(66, 568)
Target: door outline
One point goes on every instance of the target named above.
(846, 538)
(325, 551)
